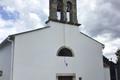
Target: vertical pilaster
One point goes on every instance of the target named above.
(73, 16)
(63, 12)
(53, 10)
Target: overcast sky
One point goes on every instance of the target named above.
(100, 19)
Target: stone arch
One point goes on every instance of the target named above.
(69, 11)
(59, 5)
(69, 6)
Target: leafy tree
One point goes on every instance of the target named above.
(118, 54)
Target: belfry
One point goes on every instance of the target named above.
(65, 9)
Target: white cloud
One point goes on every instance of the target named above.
(2, 23)
(111, 45)
(30, 12)
(5, 32)
(36, 21)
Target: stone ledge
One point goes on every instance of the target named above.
(77, 24)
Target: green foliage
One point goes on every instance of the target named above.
(118, 54)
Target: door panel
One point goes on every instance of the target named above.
(65, 77)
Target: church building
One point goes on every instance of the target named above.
(58, 51)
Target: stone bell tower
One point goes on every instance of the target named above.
(64, 11)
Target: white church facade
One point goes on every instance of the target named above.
(58, 51)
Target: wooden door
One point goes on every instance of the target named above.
(65, 77)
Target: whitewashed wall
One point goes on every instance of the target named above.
(35, 54)
(107, 73)
(5, 61)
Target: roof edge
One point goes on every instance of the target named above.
(94, 40)
(5, 41)
(30, 31)
(13, 35)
